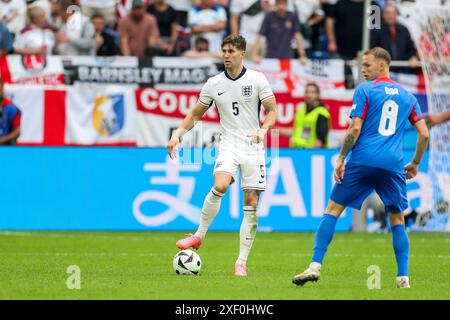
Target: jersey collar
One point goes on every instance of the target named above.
(384, 79)
(238, 77)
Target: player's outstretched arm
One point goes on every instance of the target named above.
(287, 132)
(421, 146)
(433, 119)
(270, 106)
(187, 124)
(353, 132)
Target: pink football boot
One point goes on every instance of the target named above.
(240, 270)
(191, 241)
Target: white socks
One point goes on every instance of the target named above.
(247, 233)
(315, 266)
(211, 207)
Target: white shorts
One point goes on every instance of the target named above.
(252, 167)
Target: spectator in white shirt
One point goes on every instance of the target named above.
(246, 19)
(37, 38)
(208, 21)
(12, 14)
(76, 36)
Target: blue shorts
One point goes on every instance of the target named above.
(360, 181)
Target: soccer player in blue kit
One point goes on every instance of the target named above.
(375, 136)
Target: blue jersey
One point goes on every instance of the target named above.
(385, 108)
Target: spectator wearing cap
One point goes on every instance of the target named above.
(138, 31)
(123, 7)
(76, 36)
(36, 38)
(9, 120)
(395, 38)
(106, 8)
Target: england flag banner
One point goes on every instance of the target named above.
(62, 115)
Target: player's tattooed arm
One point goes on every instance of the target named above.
(270, 107)
(351, 137)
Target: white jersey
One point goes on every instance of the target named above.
(238, 102)
(33, 37)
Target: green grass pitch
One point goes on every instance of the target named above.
(138, 265)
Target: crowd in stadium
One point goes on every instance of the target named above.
(282, 29)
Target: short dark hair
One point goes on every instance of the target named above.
(97, 15)
(313, 84)
(235, 40)
(380, 53)
(201, 40)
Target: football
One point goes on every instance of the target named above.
(187, 262)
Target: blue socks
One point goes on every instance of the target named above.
(324, 234)
(401, 248)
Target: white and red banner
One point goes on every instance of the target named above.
(161, 111)
(66, 116)
(31, 69)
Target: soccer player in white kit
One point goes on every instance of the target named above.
(238, 93)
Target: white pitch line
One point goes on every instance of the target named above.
(125, 254)
(87, 254)
(87, 236)
(147, 235)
